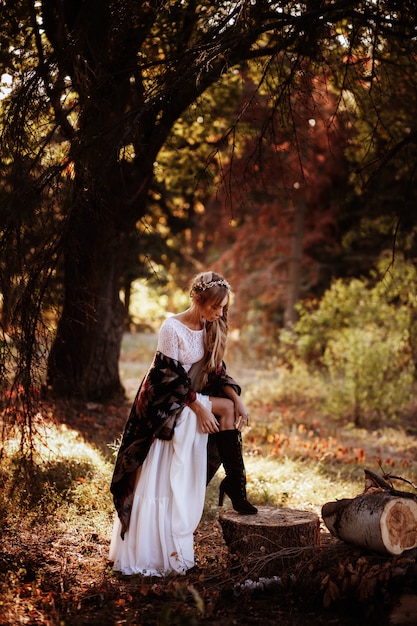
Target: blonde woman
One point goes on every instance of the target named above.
(161, 469)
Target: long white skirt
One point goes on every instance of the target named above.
(168, 504)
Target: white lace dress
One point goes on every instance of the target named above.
(170, 485)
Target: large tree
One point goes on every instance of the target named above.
(98, 86)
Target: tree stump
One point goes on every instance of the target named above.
(257, 540)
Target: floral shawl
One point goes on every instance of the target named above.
(163, 393)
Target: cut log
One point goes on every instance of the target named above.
(270, 531)
(381, 522)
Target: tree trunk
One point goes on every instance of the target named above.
(253, 537)
(108, 197)
(380, 521)
(83, 361)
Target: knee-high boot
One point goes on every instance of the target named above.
(229, 444)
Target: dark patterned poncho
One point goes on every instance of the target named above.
(164, 392)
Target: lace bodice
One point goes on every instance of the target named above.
(180, 342)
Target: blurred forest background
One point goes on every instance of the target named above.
(143, 142)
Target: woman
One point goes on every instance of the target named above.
(161, 469)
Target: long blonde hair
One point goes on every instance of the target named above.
(211, 287)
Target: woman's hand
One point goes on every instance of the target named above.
(206, 419)
(241, 413)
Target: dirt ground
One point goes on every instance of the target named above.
(68, 580)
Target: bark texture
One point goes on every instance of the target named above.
(252, 538)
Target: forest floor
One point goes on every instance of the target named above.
(55, 571)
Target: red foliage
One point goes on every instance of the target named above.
(296, 167)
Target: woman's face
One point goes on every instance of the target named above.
(212, 310)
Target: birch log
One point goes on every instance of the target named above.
(380, 521)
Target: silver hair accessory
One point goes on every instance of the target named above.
(203, 285)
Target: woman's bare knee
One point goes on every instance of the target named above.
(224, 410)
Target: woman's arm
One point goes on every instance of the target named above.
(241, 412)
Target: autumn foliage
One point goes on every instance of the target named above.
(279, 200)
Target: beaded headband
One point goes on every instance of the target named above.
(203, 285)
